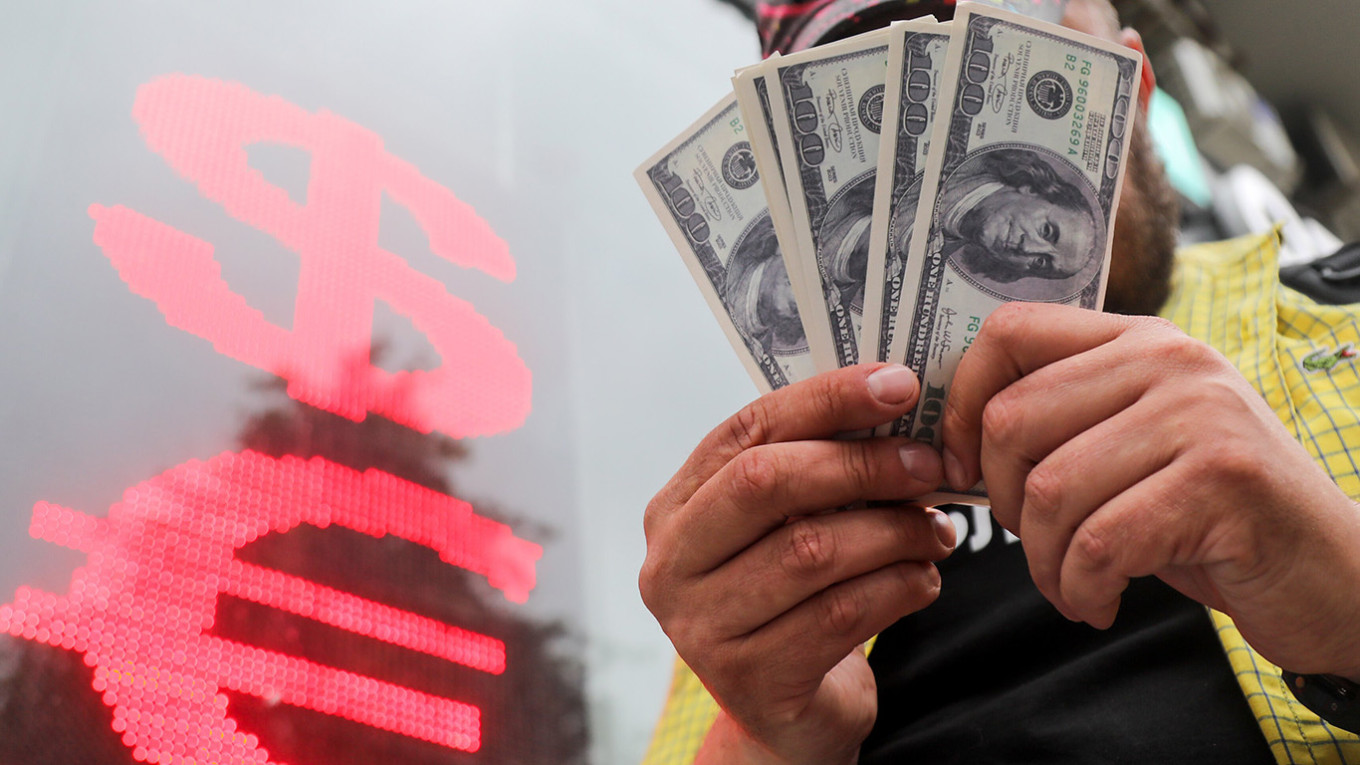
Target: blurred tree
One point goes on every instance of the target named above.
(533, 713)
(49, 714)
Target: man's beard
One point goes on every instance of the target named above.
(1144, 233)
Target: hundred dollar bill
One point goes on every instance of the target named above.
(706, 189)
(753, 98)
(916, 56)
(1027, 175)
(828, 114)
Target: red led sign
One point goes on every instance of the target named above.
(142, 609)
(202, 127)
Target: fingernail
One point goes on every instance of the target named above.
(922, 462)
(893, 385)
(953, 471)
(944, 529)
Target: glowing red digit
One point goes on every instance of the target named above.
(201, 127)
(142, 608)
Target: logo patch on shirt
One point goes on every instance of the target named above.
(1325, 359)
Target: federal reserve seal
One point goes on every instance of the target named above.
(871, 109)
(739, 167)
(1049, 95)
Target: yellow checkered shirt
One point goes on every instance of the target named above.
(1227, 294)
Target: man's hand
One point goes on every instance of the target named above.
(1119, 447)
(767, 596)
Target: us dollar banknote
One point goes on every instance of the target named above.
(753, 98)
(1021, 193)
(828, 115)
(916, 57)
(706, 189)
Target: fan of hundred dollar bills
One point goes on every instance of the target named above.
(877, 198)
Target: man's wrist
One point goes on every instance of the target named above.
(727, 743)
(1346, 664)
(1334, 695)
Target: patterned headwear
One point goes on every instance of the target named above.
(786, 26)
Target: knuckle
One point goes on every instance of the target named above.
(810, 550)
(649, 579)
(858, 465)
(1235, 464)
(1043, 493)
(755, 473)
(1093, 545)
(956, 407)
(1220, 404)
(1159, 324)
(734, 664)
(829, 396)
(1002, 419)
(651, 517)
(749, 427)
(1007, 321)
(684, 633)
(1185, 352)
(840, 610)
(1224, 391)
(952, 413)
(1041, 571)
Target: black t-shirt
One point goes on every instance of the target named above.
(993, 673)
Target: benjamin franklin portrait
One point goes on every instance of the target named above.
(759, 295)
(1023, 223)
